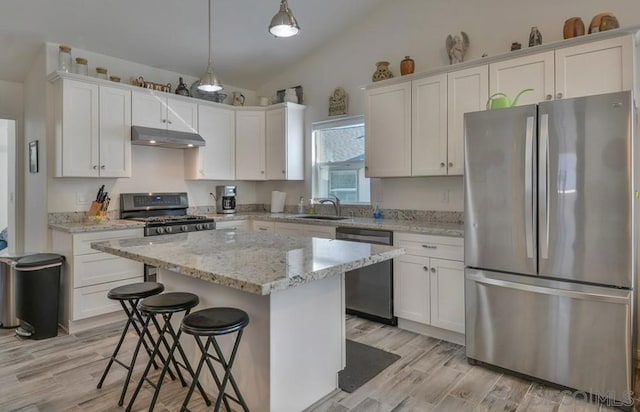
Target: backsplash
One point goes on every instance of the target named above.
(346, 210)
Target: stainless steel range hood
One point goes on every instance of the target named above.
(165, 138)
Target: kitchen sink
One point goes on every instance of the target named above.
(321, 217)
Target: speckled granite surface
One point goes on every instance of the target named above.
(86, 226)
(259, 263)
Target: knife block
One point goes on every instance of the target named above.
(96, 209)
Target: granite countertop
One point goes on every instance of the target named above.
(417, 226)
(81, 227)
(259, 263)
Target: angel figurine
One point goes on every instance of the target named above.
(456, 47)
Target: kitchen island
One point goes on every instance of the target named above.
(291, 287)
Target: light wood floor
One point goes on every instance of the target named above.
(60, 374)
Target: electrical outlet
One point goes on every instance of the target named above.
(81, 198)
(445, 196)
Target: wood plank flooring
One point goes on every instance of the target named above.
(60, 374)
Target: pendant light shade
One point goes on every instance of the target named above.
(209, 82)
(283, 24)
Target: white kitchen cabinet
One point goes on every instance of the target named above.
(285, 142)
(304, 230)
(92, 129)
(156, 110)
(242, 225)
(262, 226)
(216, 159)
(250, 145)
(535, 71)
(594, 68)
(429, 280)
(468, 91)
(429, 126)
(388, 131)
(89, 274)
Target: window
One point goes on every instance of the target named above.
(338, 160)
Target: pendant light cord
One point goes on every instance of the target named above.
(210, 32)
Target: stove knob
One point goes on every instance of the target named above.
(199, 226)
(160, 230)
(207, 226)
(169, 229)
(183, 228)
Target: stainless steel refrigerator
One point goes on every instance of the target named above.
(550, 241)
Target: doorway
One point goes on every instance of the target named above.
(7, 185)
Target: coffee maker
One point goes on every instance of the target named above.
(226, 199)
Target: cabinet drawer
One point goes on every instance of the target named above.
(431, 246)
(82, 241)
(101, 268)
(92, 300)
(233, 224)
(259, 226)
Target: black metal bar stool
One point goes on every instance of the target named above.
(129, 296)
(211, 323)
(166, 305)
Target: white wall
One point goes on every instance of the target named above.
(4, 172)
(418, 28)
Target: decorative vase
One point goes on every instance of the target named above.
(382, 72)
(535, 37)
(573, 27)
(515, 46)
(407, 66)
(602, 22)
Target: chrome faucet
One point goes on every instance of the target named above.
(335, 201)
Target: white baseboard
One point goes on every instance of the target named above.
(422, 329)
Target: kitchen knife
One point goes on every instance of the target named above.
(100, 191)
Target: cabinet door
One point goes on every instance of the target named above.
(528, 72)
(323, 232)
(468, 91)
(250, 145)
(594, 68)
(447, 294)
(388, 131)
(429, 126)
(148, 110)
(242, 225)
(182, 116)
(260, 226)
(276, 135)
(217, 159)
(115, 132)
(294, 127)
(80, 129)
(411, 284)
(99, 268)
(289, 229)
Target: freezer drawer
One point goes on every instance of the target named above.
(573, 335)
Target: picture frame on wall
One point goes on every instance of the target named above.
(33, 156)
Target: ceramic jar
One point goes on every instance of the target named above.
(81, 66)
(382, 72)
(290, 96)
(535, 37)
(407, 66)
(64, 59)
(573, 27)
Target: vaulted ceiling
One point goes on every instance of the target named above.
(172, 34)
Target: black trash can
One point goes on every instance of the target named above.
(37, 294)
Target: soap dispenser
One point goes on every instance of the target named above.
(377, 214)
(301, 205)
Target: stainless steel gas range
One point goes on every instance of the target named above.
(163, 214)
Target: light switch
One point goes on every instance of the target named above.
(81, 198)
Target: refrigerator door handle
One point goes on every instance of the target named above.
(543, 184)
(601, 297)
(528, 187)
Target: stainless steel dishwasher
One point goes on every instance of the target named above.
(369, 290)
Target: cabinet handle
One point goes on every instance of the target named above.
(426, 269)
(450, 164)
(164, 120)
(169, 121)
(366, 168)
(433, 270)
(262, 228)
(549, 97)
(559, 95)
(429, 247)
(102, 167)
(442, 164)
(262, 172)
(283, 172)
(95, 167)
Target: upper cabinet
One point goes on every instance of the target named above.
(92, 129)
(429, 126)
(152, 109)
(598, 67)
(388, 131)
(270, 143)
(216, 159)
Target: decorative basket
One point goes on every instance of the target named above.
(141, 82)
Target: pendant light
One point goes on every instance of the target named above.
(209, 82)
(283, 24)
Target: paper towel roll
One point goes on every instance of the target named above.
(277, 201)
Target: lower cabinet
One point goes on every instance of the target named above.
(234, 224)
(261, 226)
(89, 274)
(429, 281)
(299, 229)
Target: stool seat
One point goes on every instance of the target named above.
(135, 291)
(169, 302)
(215, 321)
